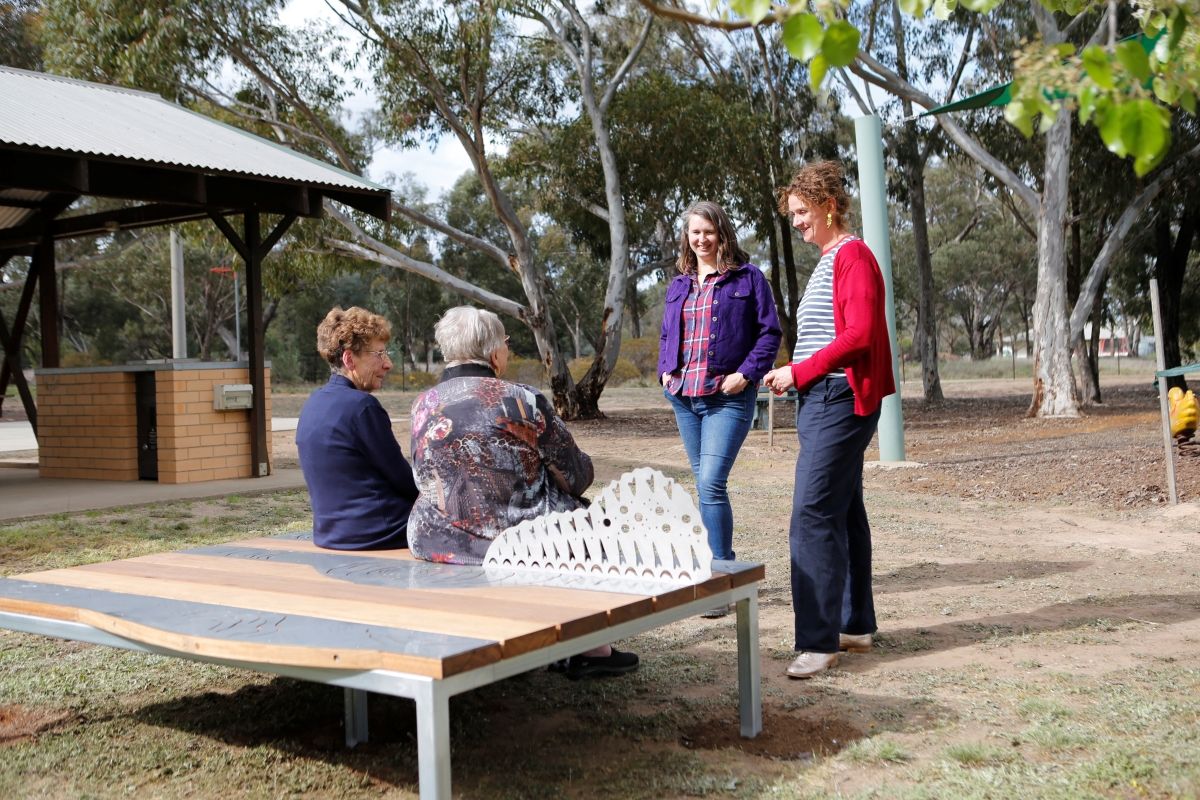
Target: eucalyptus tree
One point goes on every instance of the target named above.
(777, 122)
(463, 70)
(657, 110)
(19, 20)
(924, 55)
(1103, 80)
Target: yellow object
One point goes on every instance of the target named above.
(1185, 412)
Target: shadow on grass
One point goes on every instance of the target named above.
(538, 735)
(894, 645)
(934, 575)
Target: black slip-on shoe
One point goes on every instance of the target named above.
(618, 663)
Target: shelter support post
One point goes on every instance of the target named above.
(872, 186)
(43, 265)
(253, 248)
(178, 301)
(259, 463)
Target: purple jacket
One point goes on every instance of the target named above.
(745, 328)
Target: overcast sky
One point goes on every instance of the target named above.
(437, 168)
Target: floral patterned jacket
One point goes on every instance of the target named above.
(483, 452)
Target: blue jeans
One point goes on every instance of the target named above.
(830, 538)
(713, 428)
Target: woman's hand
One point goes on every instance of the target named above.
(780, 380)
(666, 376)
(734, 383)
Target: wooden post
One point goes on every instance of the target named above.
(1163, 405)
(255, 352)
(770, 418)
(43, 264)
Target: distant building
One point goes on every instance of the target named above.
(1110, 344)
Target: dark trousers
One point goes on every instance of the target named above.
(830, 538)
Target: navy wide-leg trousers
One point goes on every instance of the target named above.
(830, 539)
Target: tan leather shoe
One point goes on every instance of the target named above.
(808, 664)
(855, 642)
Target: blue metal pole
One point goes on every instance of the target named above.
(872, 186)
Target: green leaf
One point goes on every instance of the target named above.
(1179, 24)
(1098, 67)
(841, 43)
(1166, 91)
(914, 8)
(980, 6)
(802, 36)
(1146, 131)
(816, 71)
(753, 10)
(1143, 164)
(1187, 101)
(943, 9)
(1019, 116)
(1133, 58)
(1109, 125)
(1087, 103)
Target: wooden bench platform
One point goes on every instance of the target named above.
(376, 621)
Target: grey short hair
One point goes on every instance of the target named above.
(466, 333)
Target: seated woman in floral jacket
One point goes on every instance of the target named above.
(489, 454)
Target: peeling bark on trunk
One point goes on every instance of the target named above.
(1054, 390)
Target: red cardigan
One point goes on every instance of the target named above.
(861, 345)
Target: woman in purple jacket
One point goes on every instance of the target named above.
(720, 335)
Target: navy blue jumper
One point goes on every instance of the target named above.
(361, 487)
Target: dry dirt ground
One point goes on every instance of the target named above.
(1039, 612)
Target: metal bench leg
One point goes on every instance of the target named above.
(749, 669)
(356, 717)
(433, 742)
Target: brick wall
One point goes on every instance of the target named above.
(87, 426)
(196, 442)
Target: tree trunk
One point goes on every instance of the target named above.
(1054, 390)
(1170, 264)
(926, 331)
(1089, 357)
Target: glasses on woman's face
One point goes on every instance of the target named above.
(381, 353)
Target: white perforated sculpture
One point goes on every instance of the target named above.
(643, 526)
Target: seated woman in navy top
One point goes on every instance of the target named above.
(361, 487)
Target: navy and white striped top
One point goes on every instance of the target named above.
(814, 317)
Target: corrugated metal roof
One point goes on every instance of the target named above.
(48, 111)
(13, 215)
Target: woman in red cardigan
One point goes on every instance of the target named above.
(842, 370)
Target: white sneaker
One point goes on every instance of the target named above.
(808, 664)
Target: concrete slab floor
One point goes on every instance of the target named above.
(24, 494)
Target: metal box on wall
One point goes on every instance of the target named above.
(233, 397)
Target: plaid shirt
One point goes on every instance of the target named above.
(697, 318)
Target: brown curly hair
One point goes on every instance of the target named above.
(352, 329)
(818, 183)
(729, 254)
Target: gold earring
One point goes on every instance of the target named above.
(829, 219)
